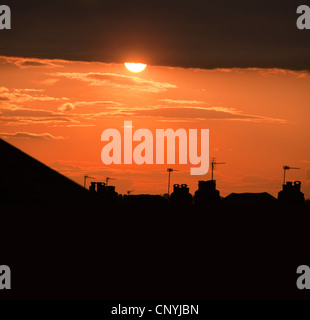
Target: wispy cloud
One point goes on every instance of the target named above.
(26, 95)
(182, 102)
(19, 116)
(66, 107)
(27, 112)
(66, 116)
(48, 82)
(200, 113)
(302, 74)
(31, 62)
(28, 135)
(70, 106)
(118, 81)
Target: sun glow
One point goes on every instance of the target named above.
(135, 67)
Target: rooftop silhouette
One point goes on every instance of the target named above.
(27, 180)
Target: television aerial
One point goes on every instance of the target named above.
(213, 165)
(85, 180)
(169, 170)
(285, 168)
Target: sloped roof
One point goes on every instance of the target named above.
(250, 198)
(24, 179)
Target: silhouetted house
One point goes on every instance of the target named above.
(181, 195)
(101, 188)
(207, 193)
(92, 187)
(291, 194)
(24, 179)
(111, 194)
(104, 192)
(250, 199)
(144, 200)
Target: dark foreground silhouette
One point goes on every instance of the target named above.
(104, 250)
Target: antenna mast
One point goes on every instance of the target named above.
(213, 165)
(287, 168)
(85, 179)
(169, 170)
(107, 180)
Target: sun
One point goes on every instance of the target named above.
(135, 67)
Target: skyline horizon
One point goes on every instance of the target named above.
(86, 185)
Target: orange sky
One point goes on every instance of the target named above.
(258, 119)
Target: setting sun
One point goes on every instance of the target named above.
(135, 67)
